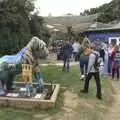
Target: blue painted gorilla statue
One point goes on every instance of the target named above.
(10, 66)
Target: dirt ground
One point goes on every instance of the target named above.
(114, 112)
(72, 101)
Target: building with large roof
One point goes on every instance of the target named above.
(86, 25)
(105, 32)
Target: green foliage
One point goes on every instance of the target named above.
(38, 29)
(17, 26)
(70, 33)
(14, 28)
(107, 12)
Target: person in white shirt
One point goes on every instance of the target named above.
(76, 48)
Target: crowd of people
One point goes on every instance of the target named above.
(94, 61)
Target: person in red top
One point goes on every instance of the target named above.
(115, 56)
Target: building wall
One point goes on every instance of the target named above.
(98, 36)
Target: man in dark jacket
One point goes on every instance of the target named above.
(67, 52)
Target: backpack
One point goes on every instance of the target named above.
(97, 62)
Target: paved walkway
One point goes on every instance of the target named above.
(60, 64)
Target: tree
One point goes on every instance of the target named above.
(14, 19)
(108, 12)
(86, 12)
(38, 28)
(17, 26)
(70, 32)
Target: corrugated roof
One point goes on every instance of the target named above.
(116, 26)
(99, 25)
(102, 26)
(82, 27)
(78, 23)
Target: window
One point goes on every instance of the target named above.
(113, 41)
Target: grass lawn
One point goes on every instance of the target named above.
(88, 107)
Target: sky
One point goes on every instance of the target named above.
(62, 7)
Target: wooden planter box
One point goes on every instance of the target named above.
(31, 102)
